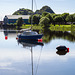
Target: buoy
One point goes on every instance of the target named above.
(6, 37)
(62, 48)
(39, 40)
(17, 38)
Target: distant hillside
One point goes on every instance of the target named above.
(44, 9)
(24, 11)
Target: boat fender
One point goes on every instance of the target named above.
(39, 40)
(67, 50)
(17, 38)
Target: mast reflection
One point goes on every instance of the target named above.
(31, 44)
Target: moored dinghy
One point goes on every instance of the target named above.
(64, 48)
(29, 35)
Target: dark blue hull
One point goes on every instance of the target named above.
(30, 42)
(30, 37)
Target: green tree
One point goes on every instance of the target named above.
(44, 22)
(23, 12)
(71, 18)
(44, 14)
(64, 15)
(36, 19)
(58, 19)
(54, 15)
(19, 22)
(50, 17)
(29, 20)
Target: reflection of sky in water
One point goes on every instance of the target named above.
(16, 60)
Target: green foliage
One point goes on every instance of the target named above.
(15, 23)
(44, 14)
(44, 22)
(54, 15)
(45, 9)
(64, 16)
(47, 12)
(19, 21)
(35, 19)
(50, 17)
(23, 12)
(58, 19)
(71, 18)
(29, 20)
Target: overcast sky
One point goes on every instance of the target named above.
(7, 7)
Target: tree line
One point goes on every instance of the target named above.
(47, 18)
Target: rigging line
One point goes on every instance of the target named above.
(35, 4)
(38, 62)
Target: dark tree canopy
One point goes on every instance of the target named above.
(24, 11)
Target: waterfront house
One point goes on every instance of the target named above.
(10, 19)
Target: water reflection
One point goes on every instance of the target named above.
(16, 59)
(30, 44)
(50, 35)
(61, 52)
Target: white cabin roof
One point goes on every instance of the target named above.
(17, 16)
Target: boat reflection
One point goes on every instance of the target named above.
(30, 44)
(6, 33)
(61, 52)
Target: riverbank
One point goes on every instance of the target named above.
(52, 27)
(62, 27)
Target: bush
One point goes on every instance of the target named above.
(44, 22)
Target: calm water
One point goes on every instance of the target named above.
(16, 58)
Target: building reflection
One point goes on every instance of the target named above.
(9, 33)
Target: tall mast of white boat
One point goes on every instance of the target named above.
(32, 15)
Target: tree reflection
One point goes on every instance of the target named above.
(50, 35)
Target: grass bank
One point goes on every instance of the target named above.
(34, 27)
(52, 27)
(62, 27)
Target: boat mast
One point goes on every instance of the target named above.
(32, 15)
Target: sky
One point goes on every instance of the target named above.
(8, 7)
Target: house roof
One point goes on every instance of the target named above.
(17, 16)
